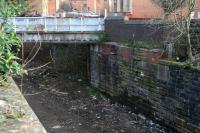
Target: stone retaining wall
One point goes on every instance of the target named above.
(166, 92)
(20, 118)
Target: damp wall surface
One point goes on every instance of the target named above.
(166, 92)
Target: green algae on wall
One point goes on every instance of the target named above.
(168, 92)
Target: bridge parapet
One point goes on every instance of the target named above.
(57, 24)
(58, 30)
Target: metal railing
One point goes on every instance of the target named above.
(57, 24)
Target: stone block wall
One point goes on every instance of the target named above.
(166, 92)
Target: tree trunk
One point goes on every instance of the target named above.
(190, 55)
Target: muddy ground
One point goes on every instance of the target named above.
(67, 104)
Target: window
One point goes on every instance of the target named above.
(115, 5)
(128, 5)
(121, 5)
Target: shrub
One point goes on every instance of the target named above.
(9, 62)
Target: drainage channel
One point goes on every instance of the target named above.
(67, 104)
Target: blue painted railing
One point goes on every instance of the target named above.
(57, 24)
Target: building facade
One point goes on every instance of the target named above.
(197, 9)
(134, 9)
(39, 6)
(145, 9)
(79, 5)
(97, 6)
(131, 8)
(110, 7)
(43, 7)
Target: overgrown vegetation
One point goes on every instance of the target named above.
(102, 37)
(11, 115)
(10, 8)
(178, 13)
(10, 43)
(169, 6)
(136, 44)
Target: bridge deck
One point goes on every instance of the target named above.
(59, 37)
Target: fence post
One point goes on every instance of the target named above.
(27, 23)
(41, 22)
(69, 24)
(56, 24)
(99, 25)
(81, 24)
(15, 25)
(45, 24)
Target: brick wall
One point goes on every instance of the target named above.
(80, 5)
(98, 6)
(145, 9)
(119, 30)
(51, 6)
(166, 92)
(36, 5)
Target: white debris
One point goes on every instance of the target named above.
(142, 74)
(80, 80)
(56, 127)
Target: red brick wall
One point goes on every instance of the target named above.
(51, 6)
(90, 4)
(101, 5)
(197, 8)
(36, 5)
(145, 9)
(148, 9)
(140, 8)
(79, 4)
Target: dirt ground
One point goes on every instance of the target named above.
(65, 104)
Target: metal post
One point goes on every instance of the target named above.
(56, 24)
(41, 22)
(15, 25)
(45, 24)
(99, 26)
(81, 24)
(27, 22)
(69, 24)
